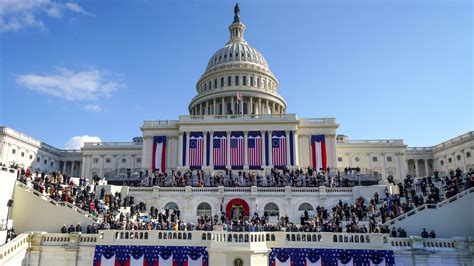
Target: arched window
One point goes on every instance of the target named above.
(244, 80)
(237, 80)
(222, 82)
(210, 85)
(305, 207)
(251, 81)
(229, 81)
(258, 82)
(215, 83)
(124, 160)
(204, 209)
(171, 206)
(272, 209)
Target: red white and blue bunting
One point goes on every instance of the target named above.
(330, 257)
(150, 256)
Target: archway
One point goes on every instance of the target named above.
(237, 209)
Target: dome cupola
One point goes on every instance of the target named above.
(237, 80)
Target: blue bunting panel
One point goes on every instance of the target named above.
(151, 254)
(330, 257)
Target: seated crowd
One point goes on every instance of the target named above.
(117, 212)
(240, 178)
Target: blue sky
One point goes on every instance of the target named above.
(383, 69)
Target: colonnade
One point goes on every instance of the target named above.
(72, 168)
(290, 162)
(419, 167)
(248, 105)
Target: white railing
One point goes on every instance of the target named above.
(57, 203)
(233, 240)
(430, 206)
(288, 117)
(159, 123)
(112, 144)
(448, 143)
(12, 248)
(241, 189)
(271, 239)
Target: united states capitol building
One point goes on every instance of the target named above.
(237, 126)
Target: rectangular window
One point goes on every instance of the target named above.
(139, 160)
(22, 154)
(244, 81)
(339, 159)
(222, 82)
(52, 164)
(215, 83)
(458, 157)
(107, 160)
(229, 81)
(450, 160)
(441, 162)
(468, 154)
(374, 159)
(389, 158)
(237, 80)
(31, 157)
(95, 160)
(13, 151)
(38, 159)
(45, 161)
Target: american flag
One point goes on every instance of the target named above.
(239, 96)
(318, 152)
(237, 149)
(279, 149)
(219, 149)
(254, 149)
(195, 150)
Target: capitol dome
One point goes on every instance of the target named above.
(237, 52)
(237, 80)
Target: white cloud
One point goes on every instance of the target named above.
(93, 108)
(90, 84)
(19, 14)
(75, 143)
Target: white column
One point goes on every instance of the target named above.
(370, 160)
(214, 105)
(180, 149)
(416, 168)
(259, 105)
(246, 162)
(402, 168)
(232, 107)
(211, 153)
(187, 149)
(64, 168)
(201, 106)
(296, 148)
(242, 106)
(288, 161)
(224, 110)
(250, 107)
(206, 112)
(426, 167)
(270, 158)
(228, 150)
(384, 158)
